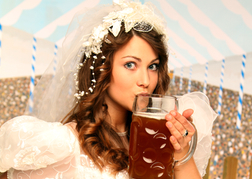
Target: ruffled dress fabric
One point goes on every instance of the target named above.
(33, 148)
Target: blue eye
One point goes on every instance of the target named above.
(130, 65)
(154, 67)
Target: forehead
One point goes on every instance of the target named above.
(136, 47)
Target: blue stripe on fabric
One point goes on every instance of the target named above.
(242, 73)
(240, 100)
(32, 80)
(0, 39)
(243, 63)
(239, 115)
(241, 87)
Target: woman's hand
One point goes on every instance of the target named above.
(180, 125)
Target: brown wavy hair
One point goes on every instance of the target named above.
(97, 138)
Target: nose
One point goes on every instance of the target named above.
(143, 79)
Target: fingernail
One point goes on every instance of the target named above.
(173, 139)
(169, 117)
(173, 113)
(169, 124)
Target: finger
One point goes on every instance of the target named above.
(184, 122)
(187, 114)
(190, 119)
(174, 132)
(175, 143)
(178, 147)
(171, 118)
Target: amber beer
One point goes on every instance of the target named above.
(151, 153)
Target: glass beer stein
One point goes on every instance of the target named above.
(151, 155)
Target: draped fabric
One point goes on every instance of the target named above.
(34, 148)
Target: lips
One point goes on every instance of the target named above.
(143, 94)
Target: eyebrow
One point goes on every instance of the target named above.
(139, 59)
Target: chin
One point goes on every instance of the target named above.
(129, 107)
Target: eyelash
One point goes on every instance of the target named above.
(157, 66)
(126, 65)
(154, 64)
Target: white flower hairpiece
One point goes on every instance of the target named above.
(134, 15)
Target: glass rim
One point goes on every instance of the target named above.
(156, 95)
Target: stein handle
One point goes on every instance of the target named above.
(191, 150)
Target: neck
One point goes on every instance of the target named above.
(117, 116)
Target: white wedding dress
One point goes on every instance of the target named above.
(31, 148)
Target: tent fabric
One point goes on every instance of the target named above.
(199, 31)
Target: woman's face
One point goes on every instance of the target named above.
(134, 71)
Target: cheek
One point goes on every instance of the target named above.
(120, 81)
(120, 85)
(154, 82)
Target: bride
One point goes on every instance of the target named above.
(114, 53)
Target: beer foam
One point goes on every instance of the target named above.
(157, 116)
